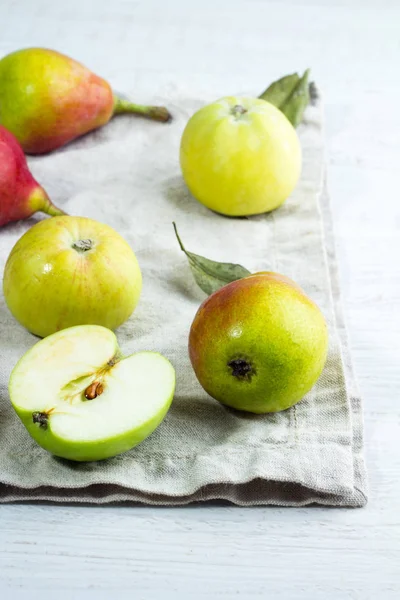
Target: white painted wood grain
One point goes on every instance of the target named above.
(215, 551)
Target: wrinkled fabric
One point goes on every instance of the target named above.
(127, 175)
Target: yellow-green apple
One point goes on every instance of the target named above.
(81, 399)
(47, 99)
(240, 156)
(69, 271)
(258, 344)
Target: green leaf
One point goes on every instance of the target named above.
(210, 275)
(279, 91)
(291, 95)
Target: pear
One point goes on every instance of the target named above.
(258, 344)
(48, 99)
(81, 399)
(20, 194)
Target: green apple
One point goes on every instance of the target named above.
(258, 344)
(68, 271)
(240, 156)
(80, 399)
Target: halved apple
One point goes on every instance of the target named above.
(80, 399)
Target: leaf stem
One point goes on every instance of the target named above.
(178, 238)
(210, 275)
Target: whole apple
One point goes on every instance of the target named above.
(240, 156)
(258, 344)
(68, 271)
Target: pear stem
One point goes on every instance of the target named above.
(40, 201)
(53, 211)
(157, 113)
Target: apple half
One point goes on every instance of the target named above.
(80, 399)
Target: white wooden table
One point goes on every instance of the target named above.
(214, 551)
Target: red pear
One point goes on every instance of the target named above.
(20, 193)
(48, 99)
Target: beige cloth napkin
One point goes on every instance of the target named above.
(127, 175)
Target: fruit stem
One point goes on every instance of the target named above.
(83, 245)
(157, 113)
(238, 109)
(116, 358)
(40, 201)
(178, 238)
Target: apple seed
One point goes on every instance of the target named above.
(93, 390)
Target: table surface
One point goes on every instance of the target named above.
(215, 551)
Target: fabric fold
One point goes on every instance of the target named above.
(127, 175)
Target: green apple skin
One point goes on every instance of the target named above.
(68, 271)
(258, 344)
(91, 451)
(107, 348)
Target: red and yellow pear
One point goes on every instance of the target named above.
(258, 344)
(48, 99)
(20, 194)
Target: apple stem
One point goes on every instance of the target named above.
(83, 245)
(238, 109)
(157, 113)
(116, 358)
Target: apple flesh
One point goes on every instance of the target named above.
(258, 344)
(80, 399)
(69, 271)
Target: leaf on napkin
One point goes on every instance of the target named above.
(291, 95)
(210, 275)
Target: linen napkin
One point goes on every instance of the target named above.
(127, 175)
